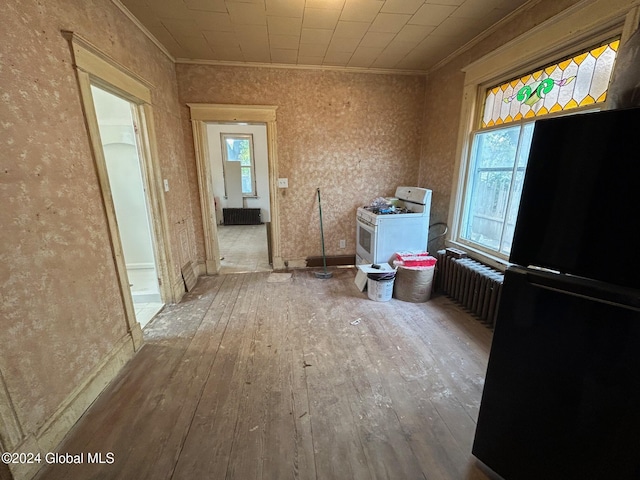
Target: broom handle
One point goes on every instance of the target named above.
(324, 260)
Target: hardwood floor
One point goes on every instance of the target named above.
(264, 376)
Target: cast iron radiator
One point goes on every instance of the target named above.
(241, 216)
(474, 285)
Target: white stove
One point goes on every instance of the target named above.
(381, 232)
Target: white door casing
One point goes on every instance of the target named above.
(203, 113)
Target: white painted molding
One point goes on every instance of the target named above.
(155, 191)
(95, 67)
(579, 26)
(209, 112)
(102, 67)
(287, 66)
(140, 266)
(143, 29)
(232, 113)
(486, 33)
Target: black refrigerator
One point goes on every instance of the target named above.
(561, 398)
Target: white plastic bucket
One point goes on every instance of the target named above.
(380, 290)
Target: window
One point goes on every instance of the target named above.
(239, 148)
(500, 147)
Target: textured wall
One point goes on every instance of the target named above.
(356, 136)
(61, 312)
(443, 103)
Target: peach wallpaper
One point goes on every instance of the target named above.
(355, 136)
(61, 313)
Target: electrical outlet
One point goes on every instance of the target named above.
(283, 183)
(343, 244)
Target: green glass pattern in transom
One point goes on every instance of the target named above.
(576, 82)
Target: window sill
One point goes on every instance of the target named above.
(484, 257)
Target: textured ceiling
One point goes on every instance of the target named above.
(405, 35)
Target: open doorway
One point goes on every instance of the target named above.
(239, 169)
(203, 114)
(119, 136)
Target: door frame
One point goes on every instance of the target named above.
(203, 113)
(95, 68)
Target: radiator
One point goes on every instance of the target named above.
(241, 216)
(472, 284)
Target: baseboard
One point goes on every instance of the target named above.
(140, 297)
(295, 263)
(278, 263)
(178, 289)
(332, 261)
(202, 268)
(141, 266)
(58, 425)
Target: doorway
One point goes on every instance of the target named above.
(240, 181)
(203, 114)
(120, 140)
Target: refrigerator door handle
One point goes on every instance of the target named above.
(592, 290)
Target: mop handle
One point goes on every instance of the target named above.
(324, 261)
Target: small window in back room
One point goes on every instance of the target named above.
(239, 148)
(500, 146)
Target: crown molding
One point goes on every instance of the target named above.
(486, 33)
(284, 66)
(143, 29)
(575, 27)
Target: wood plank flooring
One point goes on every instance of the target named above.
(299, 378)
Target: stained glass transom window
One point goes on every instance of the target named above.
(575, 82)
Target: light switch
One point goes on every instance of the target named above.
(166, 185)
(283, 183)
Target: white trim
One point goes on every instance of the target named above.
(485, 33)
(143, 29)
(330, 68)
(493, 261)
(252, 167)
(202, 113)
(551, 39)
(92, 60)
(155, 193)
(578, 26)
(93, 67)
(140, 266)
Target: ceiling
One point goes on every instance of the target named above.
(397, 35)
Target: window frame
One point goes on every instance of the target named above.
(514, 59)
(252, 166)
(520, 124)
(469, 244)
